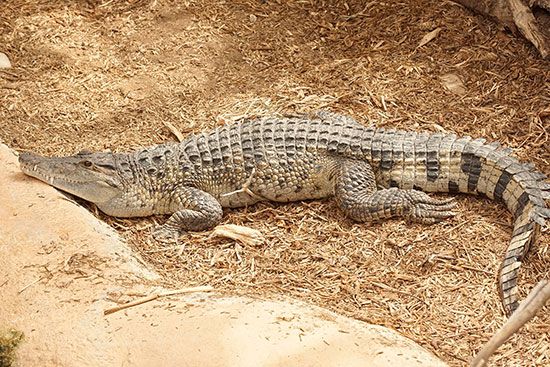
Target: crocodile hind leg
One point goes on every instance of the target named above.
(356, 193)
(193, 210)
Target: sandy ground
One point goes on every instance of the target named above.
(107, 75)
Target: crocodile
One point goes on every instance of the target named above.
(372, 173)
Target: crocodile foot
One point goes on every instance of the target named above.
(424, 209)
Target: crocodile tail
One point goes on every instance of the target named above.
(447, 163)
(526, 200)
(490, 170)
(526, 230)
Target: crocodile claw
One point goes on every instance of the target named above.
(424, 209)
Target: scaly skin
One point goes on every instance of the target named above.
(373, 174)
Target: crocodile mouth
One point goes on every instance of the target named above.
(31, 165)
(68, 174)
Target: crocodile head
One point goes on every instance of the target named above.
(91, 176)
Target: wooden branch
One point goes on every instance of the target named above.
(527, 25)
(515, 15)
(155, 296)
(544, 4)
(525, 312)
(496, 9)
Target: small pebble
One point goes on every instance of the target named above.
(4, 61)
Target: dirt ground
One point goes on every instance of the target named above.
(107, 75)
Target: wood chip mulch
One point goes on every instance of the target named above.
(107, 74)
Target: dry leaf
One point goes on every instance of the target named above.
(428, 37)
(453, 83)
(246, 235)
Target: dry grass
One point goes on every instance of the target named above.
(106, 75)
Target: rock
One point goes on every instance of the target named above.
(4, 61)
(60, 268)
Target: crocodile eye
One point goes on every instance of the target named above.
(87, 163)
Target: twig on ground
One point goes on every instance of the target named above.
(174, 130)
(30, 284)
(154, 296)
(526, 311)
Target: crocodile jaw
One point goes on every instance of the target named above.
(80, 175)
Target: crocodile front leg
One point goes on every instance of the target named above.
(194, 210)
(356, 193)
